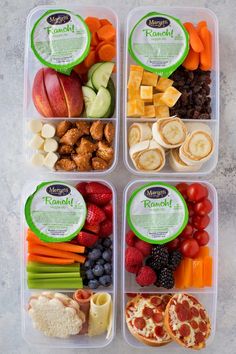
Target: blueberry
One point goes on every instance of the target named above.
(108, 268)
(107, 242)
(95, 254)
(89, 263)
(93, 284)
(100, 261)
(98, 270)
(107, 255)
(100, 247)
(105, 280)
(89, 274)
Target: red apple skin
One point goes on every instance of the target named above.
(55, 93)
(71, 86)
(39, 95)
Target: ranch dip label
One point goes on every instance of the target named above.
(159, 43)
(55, 212)
(157, 212)
(60, 40)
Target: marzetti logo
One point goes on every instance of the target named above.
(158, 22)
(156, 192)
(58, 190)
(58, 19)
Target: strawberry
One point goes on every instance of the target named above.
(106, 228)
(100, 199)
(86, 239)
(92, 228)
(81, 187)
(95, 215)
(108, 209)
(98, 188)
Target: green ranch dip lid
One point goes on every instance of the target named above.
(159, 43)
(157, 212)
(60, 39)
(55, 212)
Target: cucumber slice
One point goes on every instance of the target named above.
(89, 84)
(101, 104)
(92, 69)
(112, 90)
(101, 75)
(89, 97)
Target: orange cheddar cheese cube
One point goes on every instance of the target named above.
(170, 96)
(162, 111)
(135, 79)
(149, 79)
(133, 93)
(146, 93)
(163, 83)
(149, 111)
(136, 68)
(157, 99)
(135, 108)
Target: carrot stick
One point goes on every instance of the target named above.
(31, 237)
(93, 23)
(49, 260)
(106, 33)
(192, 60)
(207, 271)
(206, 54)
(194, 39)
(45, 251)
(188, 272)
(200, 25)
(90, 59)
(106, 52)
(197, 273)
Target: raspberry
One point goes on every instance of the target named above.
(130, 238)
(133, 256)
(144, 247)
(146, 276)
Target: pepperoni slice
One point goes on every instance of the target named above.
(159, 331)
(166, 299)
(185, 303)
(194, 311)
(202, 314)
(147, 312)
(193, 324)
(183, 314)
(145, 296)
(139, 323)
(184, 330)
(199, 337)
(131, 294)
(202, 326)
(157, 317)
(156, 301)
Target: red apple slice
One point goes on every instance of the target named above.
(55, 93)
(73, 93)
(39, 95)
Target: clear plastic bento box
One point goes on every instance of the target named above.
(206, 295)
(32, 335)
(184, 14)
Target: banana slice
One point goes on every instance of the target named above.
(191, 127)
(178, 165)
(37, 159)
(35, 126)
(48, 131)
(197, 148)
(147, 155)
(50, 160)
(170, 132)
(50, 145)
(36, 142)
(139, 132)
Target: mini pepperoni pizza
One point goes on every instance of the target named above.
(187, 321)
(145, 319)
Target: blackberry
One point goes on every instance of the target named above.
(175, 259)
(166, 278)
(159, 257)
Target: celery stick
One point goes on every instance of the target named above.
(71, 283)
(66, 275)
(35, 267)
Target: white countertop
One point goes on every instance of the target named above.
(12, 30)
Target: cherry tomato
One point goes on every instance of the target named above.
(182, 188)
(187, 231)
(196, 192)
(189, 248)
(202, 237)
(203, 207)
(174, 244)
(190, 209)
(200, 222)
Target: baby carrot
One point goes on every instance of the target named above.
(93, 23)
(104, 22)
(200, 25)
(206, 54)
(106, 52)
(49, 260)
(106, 33)
(192, 60)
(194, 39)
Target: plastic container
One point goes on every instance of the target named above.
(32, 65)
(33, 336)
(207, 296)
(192, 14)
